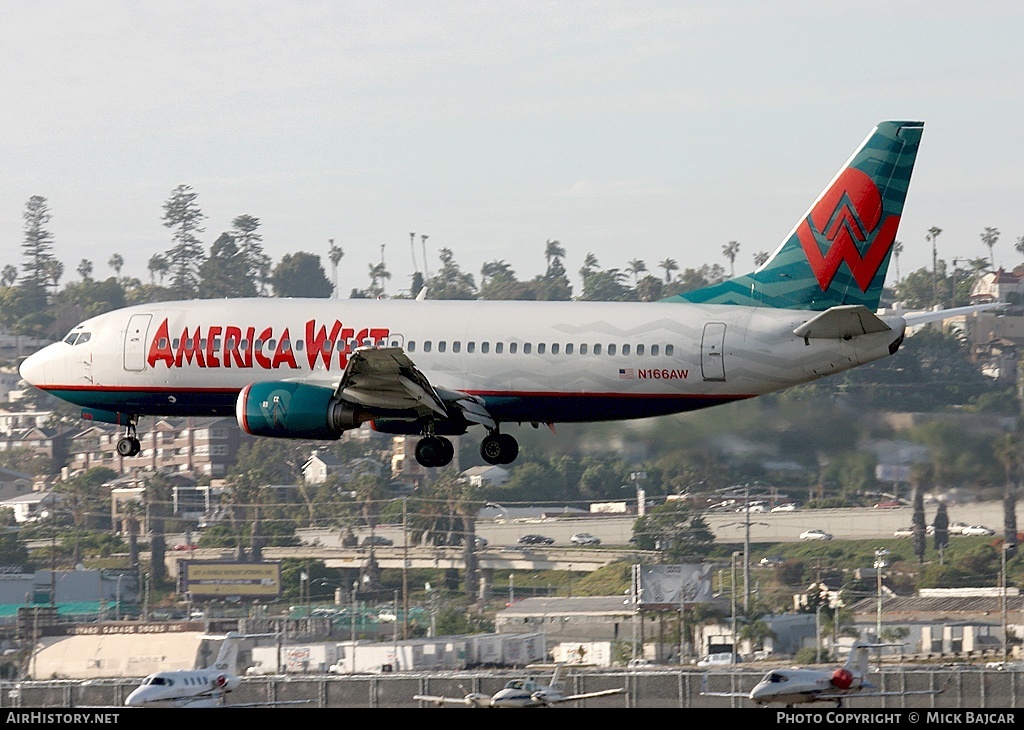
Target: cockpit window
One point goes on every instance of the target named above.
(775, 677)
(77, 338)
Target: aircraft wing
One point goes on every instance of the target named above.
(441, 700)
(915, 318)
(587, 695)
(842, 322)
(704, 691)
(385, 380)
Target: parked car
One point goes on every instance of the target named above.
(755, 507)
(815, 535)
(787, 507)
(584, 538)
(722, 658)
(377, 541)
(535, 540)
(978, 530)
(888, 505)
(186, 547)
(481, 542)
(904, 532)
(771, 560)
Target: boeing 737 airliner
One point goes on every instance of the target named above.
(312, 368)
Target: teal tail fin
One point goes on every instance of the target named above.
(839, 251)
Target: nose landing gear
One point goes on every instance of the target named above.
(128, 445)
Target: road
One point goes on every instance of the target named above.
(858, 523)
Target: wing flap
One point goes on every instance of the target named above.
(385, 378)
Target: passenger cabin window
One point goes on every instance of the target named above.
(470, 347)
(527, 348)
(299, 346)
(654, 350)
(499, 347)
(597, 349)
(426, 346)
(640, 350)
(611, 349)
(442, 346)
(485, 347)
(583, 349)
(540, 348)
(456, 346)
(625, 349)
(513, 348)
(669, 350)
(568, 348)
(411, 345)
(554, 348)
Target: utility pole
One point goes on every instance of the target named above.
(405, 568)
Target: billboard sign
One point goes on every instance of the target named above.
(220, 579)
(667, 587)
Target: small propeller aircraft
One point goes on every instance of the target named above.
(526, 692)
(197, 687)
(803, 685)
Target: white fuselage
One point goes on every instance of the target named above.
(799, 686)
(528, 361)
(199, 688)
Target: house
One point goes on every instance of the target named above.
(997, 286)
(319, 466)
(30, 507)
(14, 483)
(479, 476)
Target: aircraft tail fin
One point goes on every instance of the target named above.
(556, 677)
(857, 662)
(839, 251)
(227, 657)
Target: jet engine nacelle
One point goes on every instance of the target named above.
(294, 410)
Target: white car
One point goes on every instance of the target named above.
(978, 530)
(584, 538)
(788, 507)
(815, 535)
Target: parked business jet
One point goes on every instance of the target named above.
(802, 685)
(526, 692)
(313, 368)
(198, 687)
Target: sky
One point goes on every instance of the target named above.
(645, 129)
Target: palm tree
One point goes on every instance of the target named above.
(378, 275)
(932, 237)
(1019, 245)
(989, 237)
(589, 264)
(636, 267)
(760, 257)
(116, 261)
(1007, 451)
(669, 265)
(157, 265)
(730, 251)
(9, 275)
(334, 253)
(897, 249)
(553, 250)
(132, 513)
(85, 269)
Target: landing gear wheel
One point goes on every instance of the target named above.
(499, 448)
(434, 451)
(128, 446)
(509, 448)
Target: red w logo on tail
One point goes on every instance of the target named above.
(848, 217)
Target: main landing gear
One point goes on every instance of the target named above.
(499, 448)
(435, 451)
(128, 445)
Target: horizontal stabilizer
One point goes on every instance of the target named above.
(841, 323)
(917, 318)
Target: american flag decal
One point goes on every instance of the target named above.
(626, 374)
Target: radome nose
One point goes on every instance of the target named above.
(33, 369)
